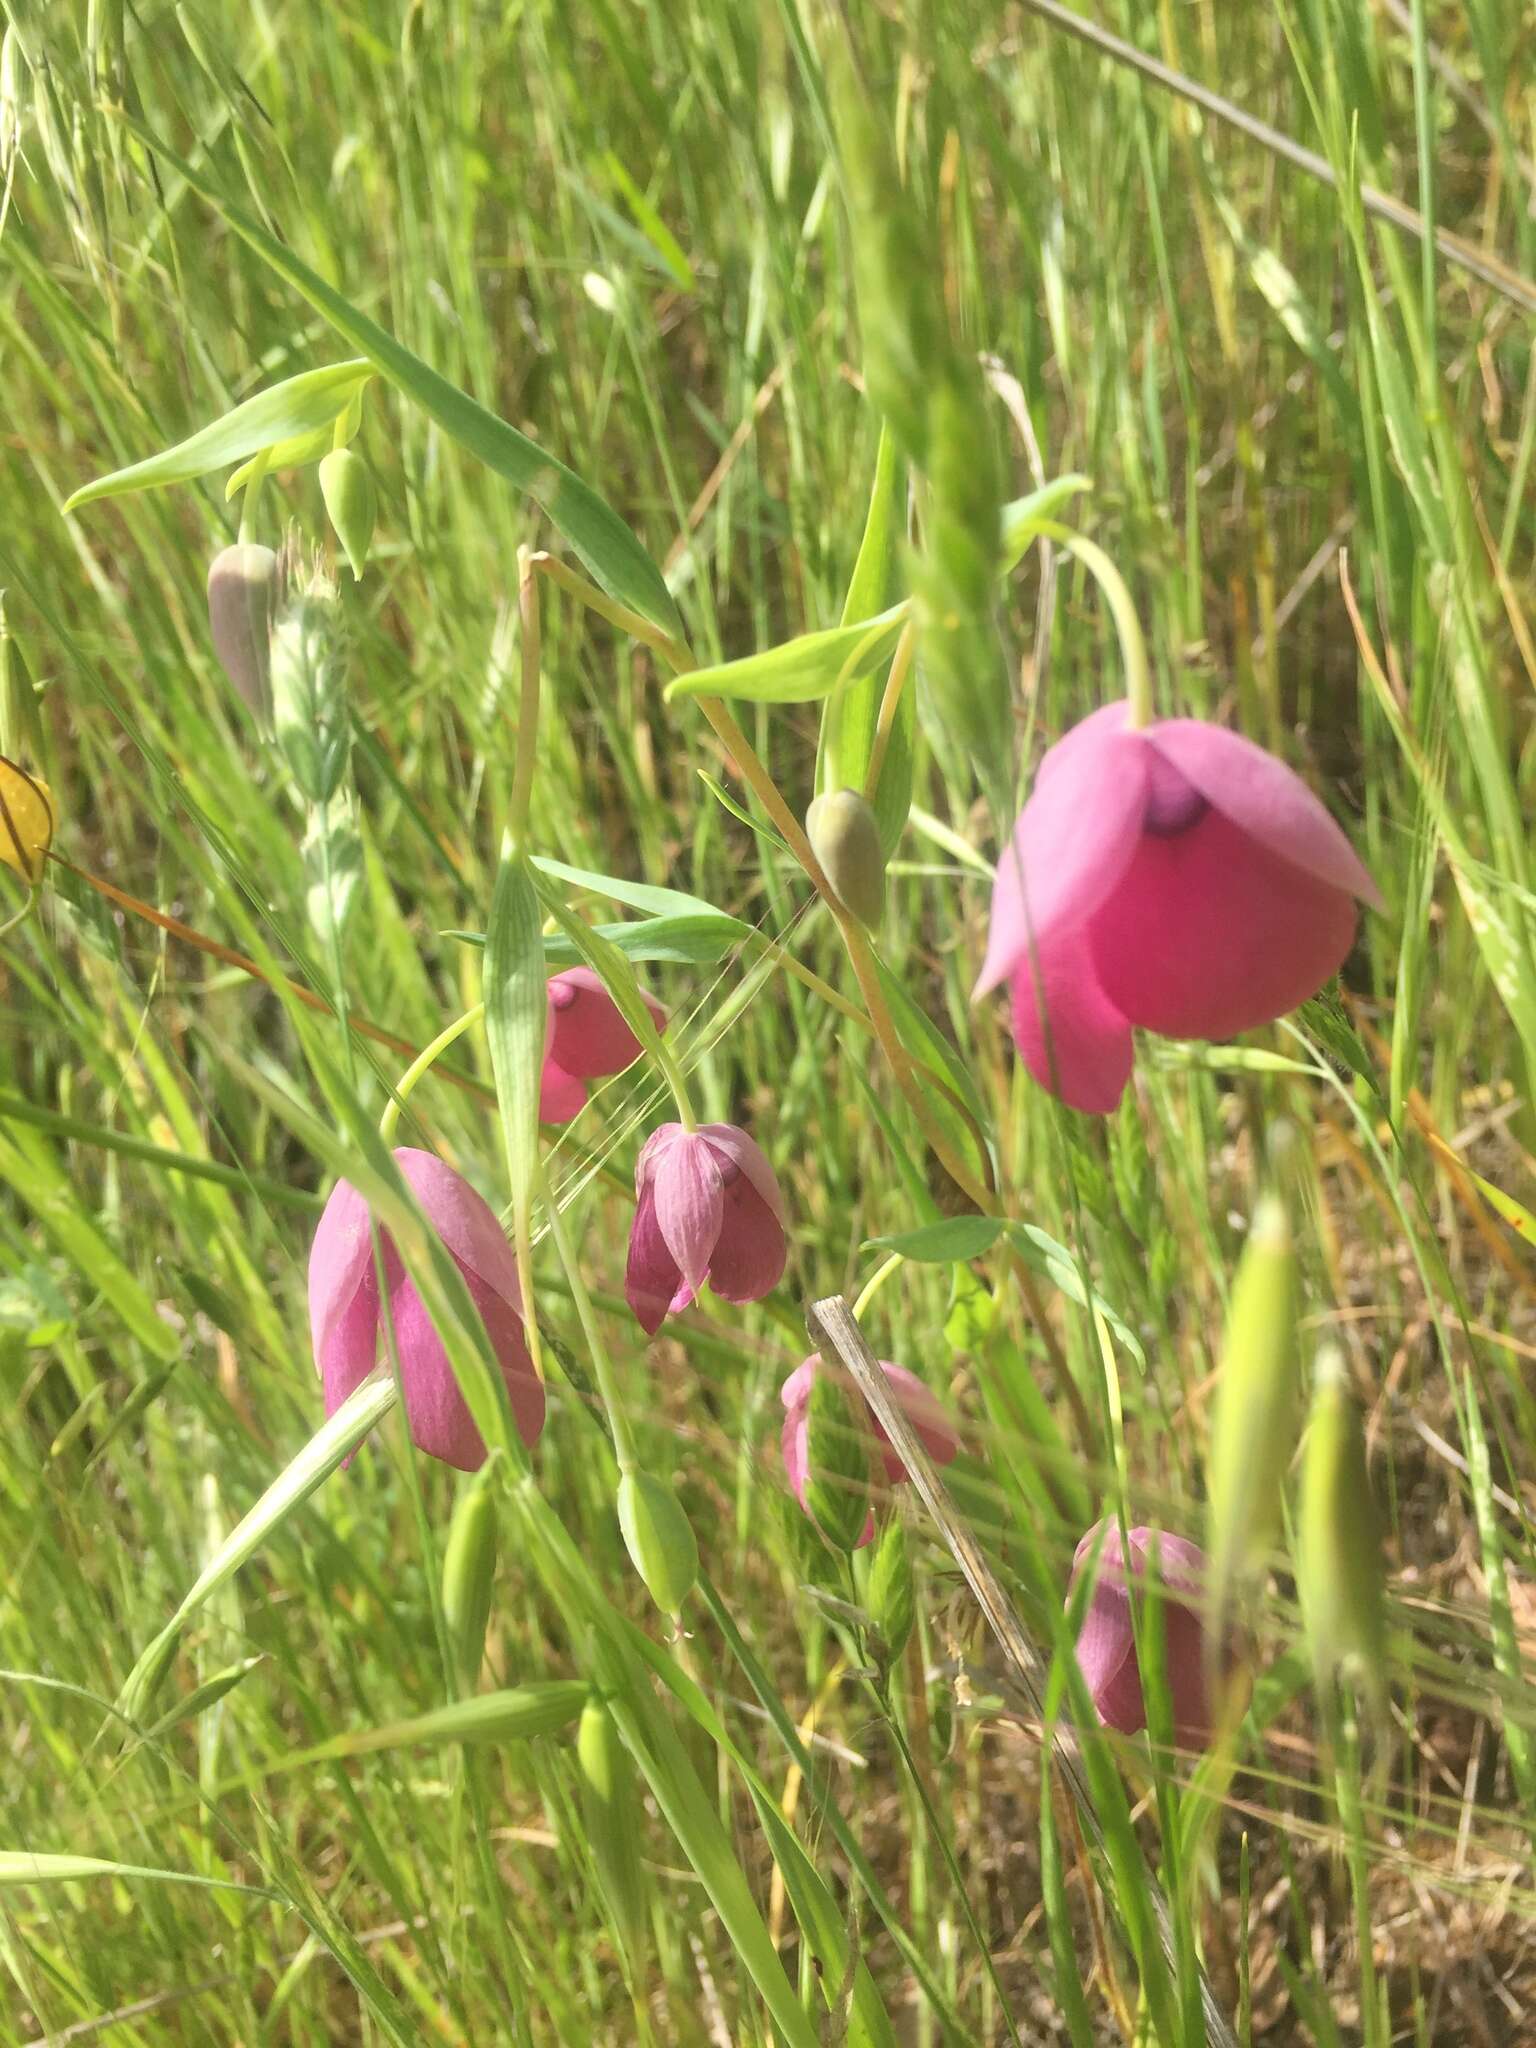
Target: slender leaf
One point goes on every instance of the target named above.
(800, 670)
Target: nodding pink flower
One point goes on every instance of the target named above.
(346, 1312)
(1106, 1645)
(587, 1037)
(1172, 876)
(709, 1209)
(934, 1430)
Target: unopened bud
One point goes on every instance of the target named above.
(469, 1572)
(1339, 1570)
(659, 1539)
(351, 502)
(615, 1818)
(242, 598)
(846, 840)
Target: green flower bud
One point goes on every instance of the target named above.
(614, 1816)
(846, 840)
(1253, 1433)
(242, 599)
(659, 1539)
(469, 1572)
(1339, 1569)
(347, 488)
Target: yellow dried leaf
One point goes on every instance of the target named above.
(26, 821)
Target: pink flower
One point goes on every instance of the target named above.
(1175, 877)
(935, 1432)
(709, 1209)
(1106, 1645)
(587, 1037)
(346, 1321)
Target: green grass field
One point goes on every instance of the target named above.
(1262, 281)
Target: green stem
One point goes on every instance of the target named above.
(389, 1121)
(1122, 608)
(528, 703)
(249, 502)
(602, 1364)
(875, 1282)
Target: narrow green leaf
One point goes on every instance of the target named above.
(652, 226)
(801, 670)
(517, 1714)
(1024, 518)
(639, 895)
(304, 449)
(20, 1866)
(298, 408)
(943, 1244)
(1049, 1257)
(685, 941)
(849, 721)
(595, 531)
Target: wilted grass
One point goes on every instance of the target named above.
(623, 230)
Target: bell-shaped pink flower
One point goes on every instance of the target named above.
(1106, 1645)
(587, 1037)
(1174, 877)
(709, 1209)
(346, 1313)
(933, 1428)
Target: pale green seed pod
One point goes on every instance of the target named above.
(469, 1572)
(21, 724)
(242, 602)
(846, 840)
(1339, 1572)
(659, 1539)
(1253, 1432)
(350, 500)
(309, 704)
(615, 1819)
(836, 1465)
(888, 1594)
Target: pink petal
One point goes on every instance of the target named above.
(438, 1415)
(1265, 799)
(350, 1349)
(690, 1204)
(463, 1219)
(340, 1262)
(653, 1151)
(1209, 934)
(1073, 841)
(587, 1032)
(1184, 1661)
(794, 1444)
(733, 1148)
(561, 1095)
(652, 1283)
(923, 1411)
(750, 1252)
(797, 1387)
(1106, 1656)
(1085, 1056)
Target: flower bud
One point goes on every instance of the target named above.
(610, 1804)
(1339, 1571)
(469, 1573)
(846, 840)
(242, 598)
(351, 502)
(659, 1539)
(1253, 1433)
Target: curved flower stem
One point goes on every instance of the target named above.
(252, 496)
(591, 1329)
(875, 1282)
(389, 1121)
(673, 1075)
(1122, 607)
